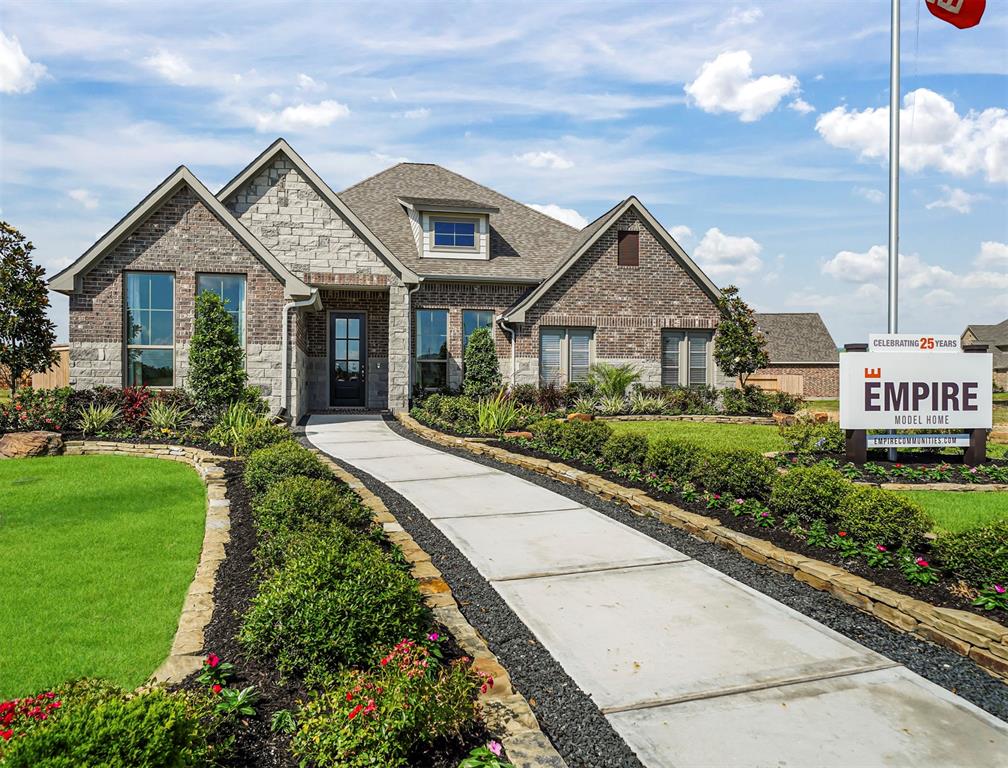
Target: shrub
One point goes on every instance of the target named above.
(261, 436)
(584, 438)
(978, 555)
(99, 724)
(738, 473)
(784, 402)
(498, 415)
(627, 449)
(481, 370)
(327, 609)
(135, 402)
(299, 503)
(612, 380)
(611, 405)
(166, 416)
(551, 398)
(270, 465)
(379, 718)
(547, 432)
(525, 394)
(48, 409)
(97, 419)
(237, 420)
(460, 413)
(880, 517)
(277, 547)
(689, 400)
(811, 493)
(217, 374)
(672, 458)
(644, 403)
(748, 401)
(807, 435)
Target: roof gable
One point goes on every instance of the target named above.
(280, 146)
(590, 235)
(797, 337)
(66, 281)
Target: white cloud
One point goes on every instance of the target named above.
(18, 74)
(681, 233)
(84, 197)
(550, 160)
(940, 297)
(854, 267)
(932, 135)
(170, 66)
(726, 84)
(728, 256)
(421, 113)
(871, 195)
(302, 116)
(308, 83)
(741, 17)
(956, 199)
(993, 255)
(566, 215)
(801, 106)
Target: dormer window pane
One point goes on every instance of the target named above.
(455, 234)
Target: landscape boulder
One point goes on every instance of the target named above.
(23, 445)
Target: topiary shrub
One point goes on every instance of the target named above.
(300, 503)
(811, 493)
(880, 517)
(978, 555)
(217, 374)
(326, 609)
(481, 376)
(626, 449)
(584, 438)
(99, 724)
(668, 457)
(270, 465)
(262, 436)
(738, 473)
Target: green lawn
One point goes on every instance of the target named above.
(97, 555)
(957, 510)
(1001, 397)
(755, 436)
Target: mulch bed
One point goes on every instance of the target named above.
(919, 460)
(891, 578)
(204, 445)
(255, 745)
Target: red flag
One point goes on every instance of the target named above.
(960, 13)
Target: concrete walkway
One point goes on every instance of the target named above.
(689, 666)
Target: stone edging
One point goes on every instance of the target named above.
(706, 418)
(981, 639)
(508, 715)
(959, 487)
(186, 654)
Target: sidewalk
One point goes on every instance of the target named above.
(689, 666)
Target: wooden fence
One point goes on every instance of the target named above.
(57, 376)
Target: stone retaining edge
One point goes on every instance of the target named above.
(186, 654)
(983, 640)
(705, 418)
(507, 713)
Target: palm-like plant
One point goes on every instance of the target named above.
(95, 419)
(611, 405)
(499, 414)
(612, 380)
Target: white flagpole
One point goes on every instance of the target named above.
(894, 137)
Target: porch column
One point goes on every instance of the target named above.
(398, 348)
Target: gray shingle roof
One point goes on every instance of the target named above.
(996, 339)
(797, 337)
(434, 203)
(523, 242)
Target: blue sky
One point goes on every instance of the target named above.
(755, 131)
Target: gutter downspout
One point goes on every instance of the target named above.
(510, 331)
(409, 341)
(285, 377)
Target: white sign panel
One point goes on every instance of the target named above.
(912, 342)
(907, 390)
(919, 441)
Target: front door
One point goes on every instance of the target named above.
(347, 359)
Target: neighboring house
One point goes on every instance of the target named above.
(803, 357)
(996, 339)
(360, 299)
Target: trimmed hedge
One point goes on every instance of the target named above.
(737, 473)
(299, 503)
(584, 438)
(262, 436)
(977, 555)
(278, 462)
(880, 517)
(668, 457)
(627, 449)
(811, 493)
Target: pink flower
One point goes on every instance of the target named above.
(921, 562)
(740, 501)
(880, 548)
(433, 637)
(999, 589)
(495, 747)
(212, 660)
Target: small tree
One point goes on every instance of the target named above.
(216, 361)
(739, 347)
(26, 332)
(482, 372)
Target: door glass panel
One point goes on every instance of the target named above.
(353, 349)
(340, 350)
(353, 328)
(340, 330)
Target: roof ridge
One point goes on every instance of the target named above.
(376, 175)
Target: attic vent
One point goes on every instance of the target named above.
(629, 249)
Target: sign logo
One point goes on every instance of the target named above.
(960, 13)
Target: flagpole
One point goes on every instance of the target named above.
(894, 137)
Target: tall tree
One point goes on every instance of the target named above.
(739, 347)
(482, 371)
(26, 332)
(216, 360)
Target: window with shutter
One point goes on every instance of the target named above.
(698, 358)
(629, 249)
(671, 341)
(580, 354)
(550, 349)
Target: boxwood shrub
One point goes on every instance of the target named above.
(584, 438)
(668, 457)
(299, 503)
(811, 493)
(736, 472)
(807, 435)
(627, 449)
(978, 555)
(262, 436)
(876, 516)
(329, 607)
(278, 462)
(547, 432)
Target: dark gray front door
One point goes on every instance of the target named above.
(347, 359)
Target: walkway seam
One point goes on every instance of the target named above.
(589, 569)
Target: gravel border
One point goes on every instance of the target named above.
(941, 666)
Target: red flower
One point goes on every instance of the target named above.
(841, 533)
(921, 562)
(483, 688)
(898, 466)
(355, 711)
(216, 688)
(212, 660)
(6, 735)
(349, 696)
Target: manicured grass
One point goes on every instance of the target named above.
(97, 555)
(822, 405)
(957, 510)
(755, 436)
(1001, 397)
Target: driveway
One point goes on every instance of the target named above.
(689, 666)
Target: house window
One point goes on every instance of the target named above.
(454, 233)
(684, 358)
(698, 358)
(629, 249)
(473, 319)
(231, 288)
(671, 341)
(150, 334)
(565, 354)
(432, 348)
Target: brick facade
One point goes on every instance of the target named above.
(184, 238)
(818, 381)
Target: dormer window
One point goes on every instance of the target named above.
(454, 233)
